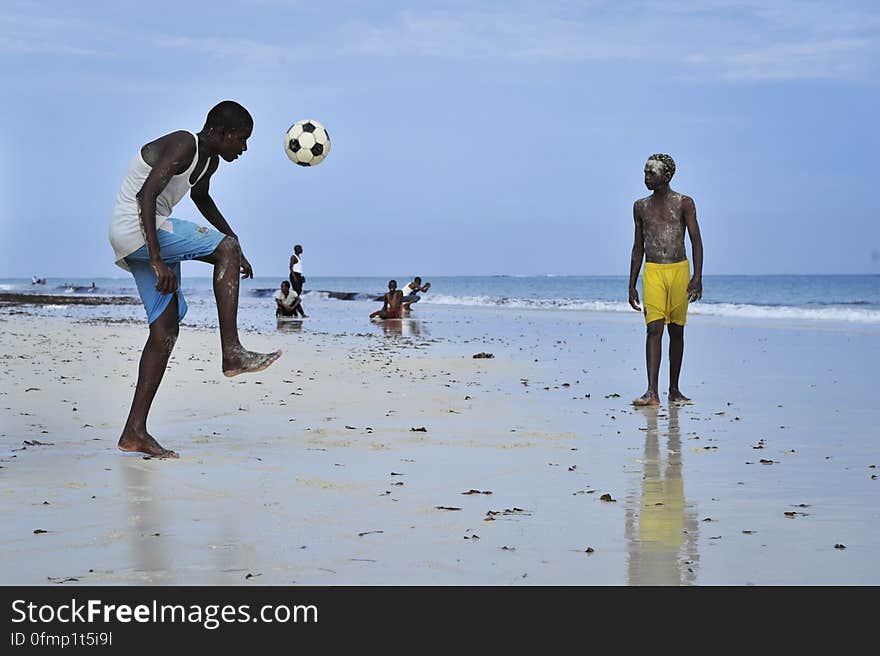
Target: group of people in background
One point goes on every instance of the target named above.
(288, 299)
(396, 303)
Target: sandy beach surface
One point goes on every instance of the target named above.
(383, 458)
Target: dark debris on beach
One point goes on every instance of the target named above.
(12, 298)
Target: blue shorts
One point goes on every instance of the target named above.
(188, 242)
(411, 298)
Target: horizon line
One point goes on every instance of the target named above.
(483, 275)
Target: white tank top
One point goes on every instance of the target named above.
(126, 231)
(298, 265)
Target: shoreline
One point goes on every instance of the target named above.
(22, 298)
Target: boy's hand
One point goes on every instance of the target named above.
(634, 299)
(695, 289)
(246, 269)
(166, 281)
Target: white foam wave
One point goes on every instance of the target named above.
(831, 313)
(743, 310)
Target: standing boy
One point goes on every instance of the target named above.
(660, 223)
(296, 277)
(150, 244)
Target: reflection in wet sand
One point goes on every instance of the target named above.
(150, 557)
(159, 548)
(661, 527)
(290, 326)
(401, 327)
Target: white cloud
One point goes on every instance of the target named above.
(746, 40)
(721, 40)
(31, 29)
(839, 59)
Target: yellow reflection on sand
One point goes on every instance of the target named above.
(661, 527)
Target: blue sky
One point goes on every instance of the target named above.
(468, 137)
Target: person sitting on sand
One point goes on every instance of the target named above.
(667, 285)
(391, 303)
(286, 301)
(150, 244)
(409, 292)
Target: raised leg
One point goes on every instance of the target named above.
(226, 259)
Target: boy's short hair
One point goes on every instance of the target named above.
(229, 115)
(417, 279)
(666, 162)
(285, 282)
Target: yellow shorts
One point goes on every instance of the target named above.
(665, 292)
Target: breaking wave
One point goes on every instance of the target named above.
(844, 312)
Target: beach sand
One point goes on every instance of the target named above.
(311, 472)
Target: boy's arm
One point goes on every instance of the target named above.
(695, 287)
(178, 154)
(202, 199)
(293, 260)
(638, 252)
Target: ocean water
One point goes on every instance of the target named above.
(342, 304)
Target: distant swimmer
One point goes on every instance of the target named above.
(151, 244)
(409, 292)
(296, 276)
(392, 303)
(667, 286)
(286, 301)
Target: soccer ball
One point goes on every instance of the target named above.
(307, 143)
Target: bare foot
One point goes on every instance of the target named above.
(244, 362)
(144, 443)
(675, 396)
(648, 398)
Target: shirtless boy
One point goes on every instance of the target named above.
(150, 244)
(667, 285)
(391, 303)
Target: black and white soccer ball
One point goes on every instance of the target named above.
(307, 143)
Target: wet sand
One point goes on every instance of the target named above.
(311, 472)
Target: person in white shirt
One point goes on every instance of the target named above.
(296, 276)
(150, 243)
(286, 301)
(409, 292)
